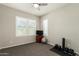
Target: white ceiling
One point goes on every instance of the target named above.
(27, 7)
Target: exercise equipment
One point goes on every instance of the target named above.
(62, 50)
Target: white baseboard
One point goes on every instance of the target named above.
(50, 43)
(77, 53)
(15, 45)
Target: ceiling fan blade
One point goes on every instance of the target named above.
(43, 4)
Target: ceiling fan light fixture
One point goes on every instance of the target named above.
(35, 5)
(38, 5)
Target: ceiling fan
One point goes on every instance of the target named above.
(38, 5)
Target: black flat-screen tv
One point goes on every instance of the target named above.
(39, 32)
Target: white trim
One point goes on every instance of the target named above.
(15, 45)
(50, 43)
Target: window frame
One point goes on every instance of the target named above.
(27, 33)
(44, 29)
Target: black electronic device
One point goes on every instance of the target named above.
(39, 32)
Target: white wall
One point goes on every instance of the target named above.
(8, 27)
(64, 22)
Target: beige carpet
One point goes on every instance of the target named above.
(33, 49)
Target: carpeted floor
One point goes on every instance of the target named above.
(33, 49)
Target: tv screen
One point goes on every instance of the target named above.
(39, 32)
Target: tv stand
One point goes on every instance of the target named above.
(39, 38)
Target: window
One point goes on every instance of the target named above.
(25, 27)
(45, 27)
